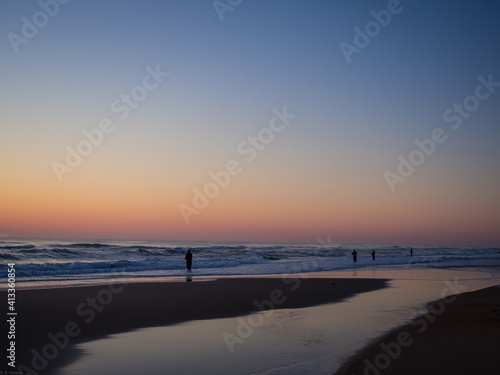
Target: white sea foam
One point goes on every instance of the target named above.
(52, 261)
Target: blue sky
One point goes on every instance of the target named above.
(353, 119)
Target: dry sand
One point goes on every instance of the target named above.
(78, 314)
(458, 336)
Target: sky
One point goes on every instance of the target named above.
(372, 122)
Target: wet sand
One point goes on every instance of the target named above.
(459, 335)
(51, 321)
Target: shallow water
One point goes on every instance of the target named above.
(288, 341)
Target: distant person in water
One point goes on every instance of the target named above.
(411, 251)
(373, 255)
(189, 259)
(354, 256)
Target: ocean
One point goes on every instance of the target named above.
(52, 263)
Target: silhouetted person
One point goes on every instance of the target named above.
(354, 256)
(411, 251)
(189, 259)
(373, 255)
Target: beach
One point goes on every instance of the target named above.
(250, 187)
(51, 321)
(292, 325)
(459, 335)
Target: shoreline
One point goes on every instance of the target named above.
(52, 321)
(368, 273)
(459, 335)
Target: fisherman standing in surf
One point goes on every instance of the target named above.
(189, 259)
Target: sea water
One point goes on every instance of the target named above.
(43, 263)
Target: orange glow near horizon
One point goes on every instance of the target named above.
(239, 213)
